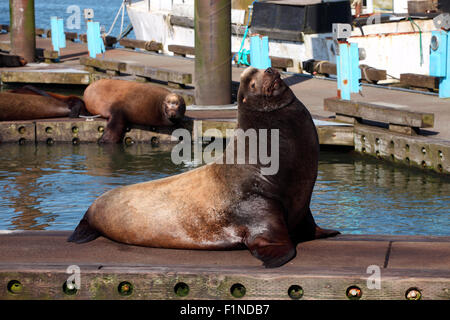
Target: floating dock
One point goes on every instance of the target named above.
(34, 265)
(403, 126)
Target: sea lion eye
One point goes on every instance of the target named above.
(252, 85)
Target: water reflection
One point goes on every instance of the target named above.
(50, 187)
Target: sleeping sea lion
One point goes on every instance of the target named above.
(127, 102)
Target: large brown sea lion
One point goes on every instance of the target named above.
(126, 102)
(226, 206)
(28, 103)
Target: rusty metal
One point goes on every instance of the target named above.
(23, 33)
(212, 52)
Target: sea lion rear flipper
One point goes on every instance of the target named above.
(83, 233)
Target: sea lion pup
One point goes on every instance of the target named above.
(226, 206)
(75, 104)
(125, 102)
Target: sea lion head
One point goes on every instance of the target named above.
(174, 107)
(263, 90)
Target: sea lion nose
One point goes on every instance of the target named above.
(269, 70)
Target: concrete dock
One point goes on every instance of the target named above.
(344, 267)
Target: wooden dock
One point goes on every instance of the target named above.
(423, 143)
(345, 267)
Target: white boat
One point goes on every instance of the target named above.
(393, 42)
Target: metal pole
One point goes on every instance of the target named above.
(212, 52)
(22, 29)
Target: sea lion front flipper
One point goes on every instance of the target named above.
(115, 128)
(269, 243)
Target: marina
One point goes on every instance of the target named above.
(383, 177)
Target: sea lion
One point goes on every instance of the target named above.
(28, 103)
(126, 102)
(226, 206)
(74, 103)
(9, 60)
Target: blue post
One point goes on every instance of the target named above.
(58, 36)
(348, 71)
(440, 60)
(95, 41)
(259, 52)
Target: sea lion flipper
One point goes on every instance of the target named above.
(83, 233)
(115, 129)
(272, 254)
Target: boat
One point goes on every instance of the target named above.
(393, 38)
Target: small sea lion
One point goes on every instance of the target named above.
(127, 102)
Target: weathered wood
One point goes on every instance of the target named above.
(141, 44)
(103, 64)
(403, 129)
(17, 131)
(109, 41)
(40, 32)
(44, 76)
(325, 270)
(419, 80)
(336, 135)
(72, 36)
(379, 113)
(418, 151)
(4, 27)
(182, 21)
(159, 74)
(5, 46)
(181, 50)
(368, 74)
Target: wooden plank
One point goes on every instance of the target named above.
(159, 74)
(419, 80)
(368, 73)
(379, 113)
(17, 131)
(336, 135)
(181, 50)
(325, 269)
(103, 64)
(141, 44)
(46, 76)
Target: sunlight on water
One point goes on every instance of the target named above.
(50, 187)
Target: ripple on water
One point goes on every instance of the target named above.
(51, 187)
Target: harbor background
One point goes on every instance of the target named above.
(104, 12)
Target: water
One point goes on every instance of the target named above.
(50, 187)
(104, 12)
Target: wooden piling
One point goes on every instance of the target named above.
(23, 34)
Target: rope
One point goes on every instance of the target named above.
(244, 53)
(122, 8)
(420, 34)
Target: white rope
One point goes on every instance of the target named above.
(122, 8)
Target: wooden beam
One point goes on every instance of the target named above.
(379, 113)
(181, 50)
(368, 74)
(159, 74)
(419, 80)
(103, 64)
(141, 44)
